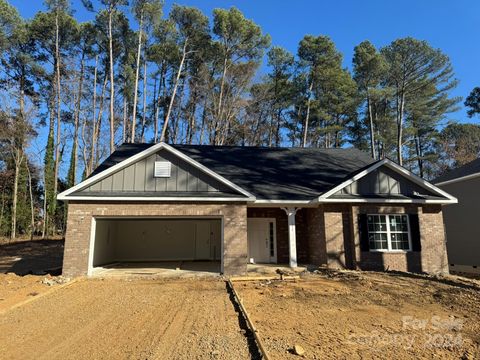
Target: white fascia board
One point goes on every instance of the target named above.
(390, 201)
(156, 198)
(463, 178)
(141, 155)
(399, 169)
(281, 203)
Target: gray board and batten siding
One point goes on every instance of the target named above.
(138, 178)
(384, 181)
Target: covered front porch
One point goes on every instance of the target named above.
(289, 236)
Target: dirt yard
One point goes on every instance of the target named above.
(31, 257)
(120, 319)
(332, 315)
(354, 315)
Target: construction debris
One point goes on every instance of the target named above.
(57, 280)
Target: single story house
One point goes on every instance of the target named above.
(235, 205)
(463, 235)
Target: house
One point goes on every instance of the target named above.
(235, 205)
(463, 236)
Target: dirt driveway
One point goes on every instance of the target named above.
(121, 319)
(366, 315)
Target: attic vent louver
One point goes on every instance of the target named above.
(162, 169)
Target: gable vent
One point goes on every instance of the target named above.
(162, 169)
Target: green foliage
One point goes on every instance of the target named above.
(240, 38)
(472, 102)
(393, 103)
(9, 21)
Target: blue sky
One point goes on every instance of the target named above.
(449, 25)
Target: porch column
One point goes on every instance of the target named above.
(292, 238)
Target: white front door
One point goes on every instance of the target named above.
(261, 240)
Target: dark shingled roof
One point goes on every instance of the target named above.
(268, 173)
(471, 168)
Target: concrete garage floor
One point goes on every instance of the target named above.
(159, 269)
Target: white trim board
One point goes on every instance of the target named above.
(388, 201)
(397, 168)
(462, 178)
(155, 198)
(262, 204)
(139, 156)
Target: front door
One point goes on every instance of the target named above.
(261, 240)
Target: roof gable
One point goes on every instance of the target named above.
(134, 178)
(265, 175)
(385, 181)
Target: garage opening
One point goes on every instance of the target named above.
(157, 245)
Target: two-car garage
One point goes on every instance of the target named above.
(116, 241)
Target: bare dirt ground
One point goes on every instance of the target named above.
(121, 319)
(31, 257)
(365, 315)
(16, 289)
(20, 261)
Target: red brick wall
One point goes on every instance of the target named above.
(327, 235)
(338, 235)
(80, 215)
(317, 247)
(431, 259)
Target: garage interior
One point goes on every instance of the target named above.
(153, 245)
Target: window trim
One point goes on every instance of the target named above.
(389, 239)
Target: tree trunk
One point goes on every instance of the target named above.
(77, 120)
(99, 123)
(31, 202)
(144, 117)
(419, 151)
(18, 158)
(94, 112)
(170, 106)
(2, 209)
(204, 118)
(137, 75)
(124, 132)
(401, 108)
(57, 145)
(161, 85)
(370, 120)
(277, 130)
(112, 87)
(155, 111)
(307, 116)
(220, 99)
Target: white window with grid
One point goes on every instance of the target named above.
(389, 232)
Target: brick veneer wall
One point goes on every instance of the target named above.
(338, 236)
(317, 247)
(329, 235)
(80, 214)
(431, 259)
